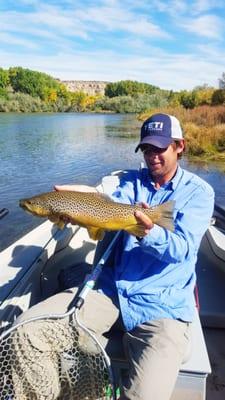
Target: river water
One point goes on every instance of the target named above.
(40, 150)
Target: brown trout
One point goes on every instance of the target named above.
(96, 212)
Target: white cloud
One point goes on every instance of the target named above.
(210, 52)
(202, 6)
(179, 6)
(175, 72)
(62, 28)
(119, 18)
(209, 26)
(9, 39)
(63, 40)
(81, 21)
(171, 7)
(47, 18)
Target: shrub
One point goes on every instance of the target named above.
(204, 128)
(218, 97)
(129, 104)
(3, 93)
(4, 78)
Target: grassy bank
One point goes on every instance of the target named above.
(204, 130)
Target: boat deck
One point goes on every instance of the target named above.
(211, 278)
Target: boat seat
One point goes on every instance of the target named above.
(193, 371)
(210, 279)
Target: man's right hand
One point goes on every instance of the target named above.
(143, 220)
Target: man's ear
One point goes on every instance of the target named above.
(180, 146)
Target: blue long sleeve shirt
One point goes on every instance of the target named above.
(154, 278)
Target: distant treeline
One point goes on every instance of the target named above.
(24, 90)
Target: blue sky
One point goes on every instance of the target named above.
(172, 44)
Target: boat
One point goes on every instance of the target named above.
(31, 266)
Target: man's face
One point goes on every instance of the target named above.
(162, 163)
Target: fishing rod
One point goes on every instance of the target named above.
(3, 212)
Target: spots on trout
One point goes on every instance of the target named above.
(94, 209)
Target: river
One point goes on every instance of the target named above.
(40, 150)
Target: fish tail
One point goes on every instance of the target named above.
(165, 213)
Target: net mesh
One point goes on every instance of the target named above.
(52, 359)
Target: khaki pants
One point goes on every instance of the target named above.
(155, 350)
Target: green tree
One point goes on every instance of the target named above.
(78, 101)
(203, 95)
(218, 97)
(174, 99)
(188, 99)
(36, 84)
(129, 88)
(4, 78)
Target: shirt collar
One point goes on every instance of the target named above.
(173, 182)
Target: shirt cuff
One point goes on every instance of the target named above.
(155, 236)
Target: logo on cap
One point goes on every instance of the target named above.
(154, 126)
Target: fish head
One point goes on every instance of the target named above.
(37, 205)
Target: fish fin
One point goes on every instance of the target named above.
(136, 230)
(57, 221)
(53, 219)
(166, 215)
(60, 224)
(95, 233)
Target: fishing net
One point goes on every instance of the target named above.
(56, 356)
(68, 363)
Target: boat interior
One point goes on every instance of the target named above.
(45, 260)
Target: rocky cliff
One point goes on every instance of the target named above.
(89, 87)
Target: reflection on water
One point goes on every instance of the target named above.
(126, 130)
(40, 150)
(213, 173)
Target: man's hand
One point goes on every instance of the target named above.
(75, 188)
(143, 220)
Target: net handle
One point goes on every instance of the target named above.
(93, 276)
(78, 300)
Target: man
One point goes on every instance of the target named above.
(149, 290)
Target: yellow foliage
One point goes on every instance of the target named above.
(203, 127)
(50, 95)
(204, 96)
(82, 100)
